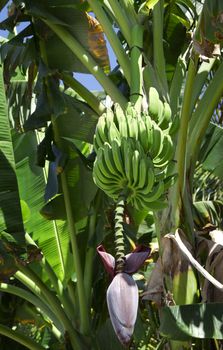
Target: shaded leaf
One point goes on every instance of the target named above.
(82, 26)
(209, 32)
(106, 337)
(51, 237)
(211, 153)
(10, 210)
(207, 212)
(197, 321)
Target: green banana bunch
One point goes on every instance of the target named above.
(133, 157)
(156, 143)
(123, 167)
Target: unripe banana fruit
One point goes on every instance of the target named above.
(123, 167)
(118, 125)
(132, 155)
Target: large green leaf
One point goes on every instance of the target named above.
(80, 183)
(13, 240)
(52, 237)
(197, 321)
(10, 210)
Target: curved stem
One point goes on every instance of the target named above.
(202, 115)
(81, 90)
(121, 17)
(85, 324)
(58, 286)
(88, 62)
(178, 189)
(159, 59)
(128, 7)
(193, 261)
(54, 303)
(136, 92)
(119, 234)
(24, 294)
(90, 254)
(20, 338)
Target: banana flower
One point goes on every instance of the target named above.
(122, 293)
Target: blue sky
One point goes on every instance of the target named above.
(86, 79)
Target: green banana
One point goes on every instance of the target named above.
(113, 133)
(142, 173)
(100, 134)
(110, 189)
(104, 170)
(153, 195)
(143, 137)
(108, 157)
(101, 177)
(117, 156)
(166, 117)
(160, 112)
(150, 179)
(130, 110)
(109, 116)
(166, 154)
(149, 129)
(135, 167)
(123, 128)
(139, 203)
(114, 175)
(127, 155)
(153, 103)
(133, 128)
(118, 113)
(158, 136)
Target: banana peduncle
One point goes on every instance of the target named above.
(119, 234)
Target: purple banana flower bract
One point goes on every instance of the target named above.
(122, 294)
(122, 301)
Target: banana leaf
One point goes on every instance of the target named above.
(51, 237)
(183, 322)
(12, 246)
(85, 28)
(211, 155)
(209, 32)
(10, 210)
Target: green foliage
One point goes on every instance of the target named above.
(197, 321)
(157, 143)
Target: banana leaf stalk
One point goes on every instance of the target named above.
(122, 293)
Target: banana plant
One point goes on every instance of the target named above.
(124, 175)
